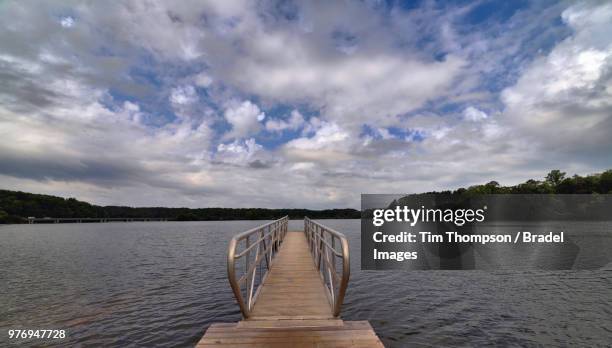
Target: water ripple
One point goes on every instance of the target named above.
(162, 284)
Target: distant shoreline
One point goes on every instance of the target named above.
(52, 221)
(16, 207)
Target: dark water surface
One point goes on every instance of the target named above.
(162, 283)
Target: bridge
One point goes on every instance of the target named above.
(52, 220)
(290, 287)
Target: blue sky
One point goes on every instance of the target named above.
(298, 104)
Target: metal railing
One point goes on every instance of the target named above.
(253, 246)
(328, 246)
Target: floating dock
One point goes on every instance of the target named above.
(291, 290)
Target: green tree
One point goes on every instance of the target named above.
(605, 182)
(555, 177)
(3, 216)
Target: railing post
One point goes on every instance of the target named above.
(333, 255)
(346, 273)
(252, 277)
(247, 264)
(231, 275)
(272, 232)
(265, 255)
(278, 233)
(320, 247)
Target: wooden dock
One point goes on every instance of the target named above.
(293, 305)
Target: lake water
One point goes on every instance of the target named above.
(163, 283)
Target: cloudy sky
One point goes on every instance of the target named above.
(298, 104)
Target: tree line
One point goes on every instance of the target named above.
(16, 206)
(555, 182)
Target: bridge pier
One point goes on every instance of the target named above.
(293, 305)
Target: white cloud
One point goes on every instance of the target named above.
(295, 121)
(133, 112)
(327, 135)
(384, 133)
(183, 95)
(244, 118)
(239, 151)
(386, 85)
(67, 22)
(473, 114)
(329, 143)
(203, 80)
(563, 100)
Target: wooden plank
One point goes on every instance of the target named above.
(288, 323)
(349, 334)
(364, 344)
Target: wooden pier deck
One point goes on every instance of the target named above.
(292, 309)
(293, 289)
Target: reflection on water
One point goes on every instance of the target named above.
(161, 284)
